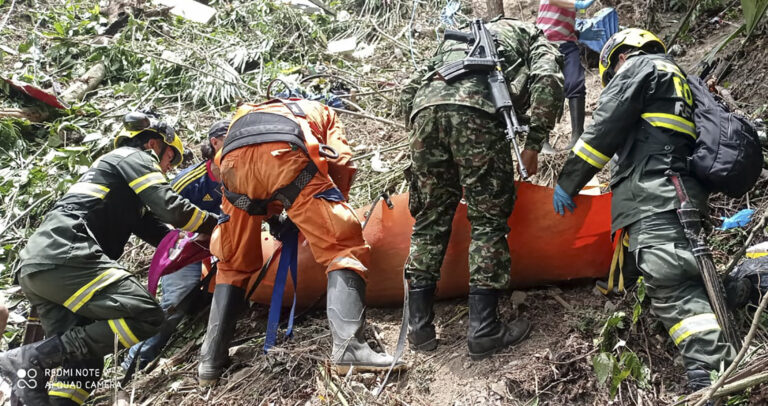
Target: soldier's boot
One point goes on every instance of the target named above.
(738, 292)
(421, 330)
(346, 316)
(487, 334)
(228, 302)
(699, 379)
(28, 368)
(577, 107)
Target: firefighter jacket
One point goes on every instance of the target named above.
(645, 117)
(124, 192)
(199, 186)
(532, 68)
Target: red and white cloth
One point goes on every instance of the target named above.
(558, 24)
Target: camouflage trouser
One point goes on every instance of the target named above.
(454, 146)
(677, 292)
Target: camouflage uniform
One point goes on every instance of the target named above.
(458, 141)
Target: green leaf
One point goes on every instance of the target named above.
(637, 310)
(603, 364)
(59, 27)
(25, 46)
(640, 289)
(753, 12)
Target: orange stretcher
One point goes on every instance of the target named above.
(544, 248)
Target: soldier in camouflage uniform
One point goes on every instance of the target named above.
(68, 269)
(457, 144)
(645, 117)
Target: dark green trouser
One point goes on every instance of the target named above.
(677, 292)
(453, 147)
(88, 308)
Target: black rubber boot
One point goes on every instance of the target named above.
(577, 106)
(698, 379)
(29, 369)
(421, 331)
(487, 334)
(228, 303)
(346, 316)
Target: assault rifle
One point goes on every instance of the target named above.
(690, 218)
(483, 56)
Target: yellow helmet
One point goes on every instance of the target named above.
(628, 38)
(136, 123)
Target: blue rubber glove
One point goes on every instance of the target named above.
(592, 34)
(561, 201)
(740, 219)
(582, 4)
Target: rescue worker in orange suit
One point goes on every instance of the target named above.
(276, 156)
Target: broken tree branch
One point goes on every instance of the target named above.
(84, 84)
(369, 116)
(742, 353)
(683, 24)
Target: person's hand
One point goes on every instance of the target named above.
(592, 34)
(561, 200)
(530, 161)
(582, 4)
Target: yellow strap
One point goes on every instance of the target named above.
(616, 261)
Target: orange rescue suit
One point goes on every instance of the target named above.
(330, 225)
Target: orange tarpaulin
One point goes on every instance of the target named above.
(544, 248)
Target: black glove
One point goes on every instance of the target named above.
(280, 226)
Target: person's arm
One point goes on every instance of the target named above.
(617, 113)
(142, 173)
(341, 170)
(545, 89)
(150, 229)
(572, 4)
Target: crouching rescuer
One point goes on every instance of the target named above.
(645, 117)
(289, 154)
(68, 269)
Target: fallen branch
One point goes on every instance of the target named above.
(369, 116)
(683, 24)
(29, 113)
(84, 84)
(742, 353)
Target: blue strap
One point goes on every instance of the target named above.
(288, 260)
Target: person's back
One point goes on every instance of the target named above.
(105, 207)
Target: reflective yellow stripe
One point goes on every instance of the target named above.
(87, 188)
(590, 154)
(189, 178)
(693, 325)
(195, 221)
(152, 178)
(668, 67)
(68, 391)
(671, 122)
(84, 294)
(124, 334)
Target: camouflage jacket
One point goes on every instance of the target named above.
(645, 117)
(532, 67)
(124, 192)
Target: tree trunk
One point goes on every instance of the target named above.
(487, 9)
(495, 8)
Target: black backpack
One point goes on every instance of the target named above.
(727, 157)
